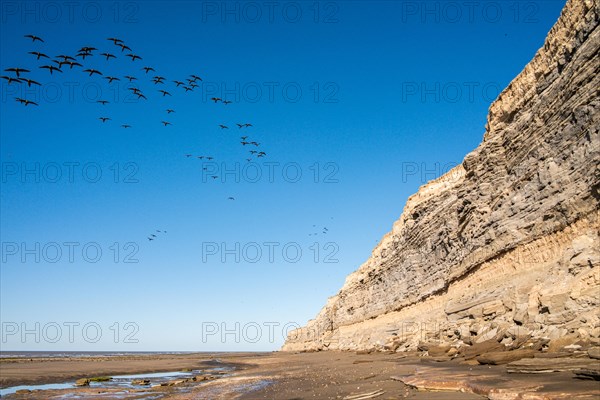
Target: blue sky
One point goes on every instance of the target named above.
(356, 104)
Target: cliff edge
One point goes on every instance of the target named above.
(505, 247)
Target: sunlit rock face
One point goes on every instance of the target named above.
(505, 246)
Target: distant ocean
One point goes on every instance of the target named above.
(63, 354)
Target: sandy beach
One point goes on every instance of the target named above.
(286, 375)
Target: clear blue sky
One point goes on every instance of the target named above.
(379, 97)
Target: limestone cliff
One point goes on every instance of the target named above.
(505, 246)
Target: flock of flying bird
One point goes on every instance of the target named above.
(58, 64)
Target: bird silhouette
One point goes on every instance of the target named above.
(165, 123)
(158, 79)
(92, 71)
(103, 102)
(38, 54)
(223, 126)
(247, 125)
(216, 99)
(115, 40)
(86, 49)
(134, 57)
(123, 47)
(214, 176)
(187, 89)
(65, 58)
(17, 71)
(51, 68)
(126, 126)
(10, 79)
(30, 82)
(195, 77)
(165, 93)
(83, 55)
(34, 38)
(230, 198)
(25, 102)
(243, 137)
(169, 111)
(111, 79)
(178, 83)
(130, 78)
(240, 125)
(104, 119)
(140, 95)
(188, 155)
(226, 102)
(72, 64)
(148, 69)
(108, 56)
(261, 154)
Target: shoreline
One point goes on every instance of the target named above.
(303, 375)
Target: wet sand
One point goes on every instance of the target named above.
(322, 375)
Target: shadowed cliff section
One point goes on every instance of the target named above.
(505, 246)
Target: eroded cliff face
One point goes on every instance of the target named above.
(506, 246)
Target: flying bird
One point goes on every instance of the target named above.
(187, 89)
(196, 77)
(87, 49)
(230, 198)
(111, 79)
(164, 92)
(223, 126)
(177, 83)
(92, 71)
(10, 79)
(158, 79)
(240, 125)
(108, 56)
(25, 102)
(169, 111)
(226, 102)
(243, 137)
(17, 71)
(115, 40)
(140, 95)
(29, 82)
(103, 102)
(126, 126)
(165, 123)
(148, 69)
(124, 47)
(83, 55)
(72, 64)
(130, 78)
(65, 58)
(38, 54)
(104, 119)
(34, 38)
(216, 99)
(51, 68)
(134, 57)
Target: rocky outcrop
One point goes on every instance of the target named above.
(504, 248)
